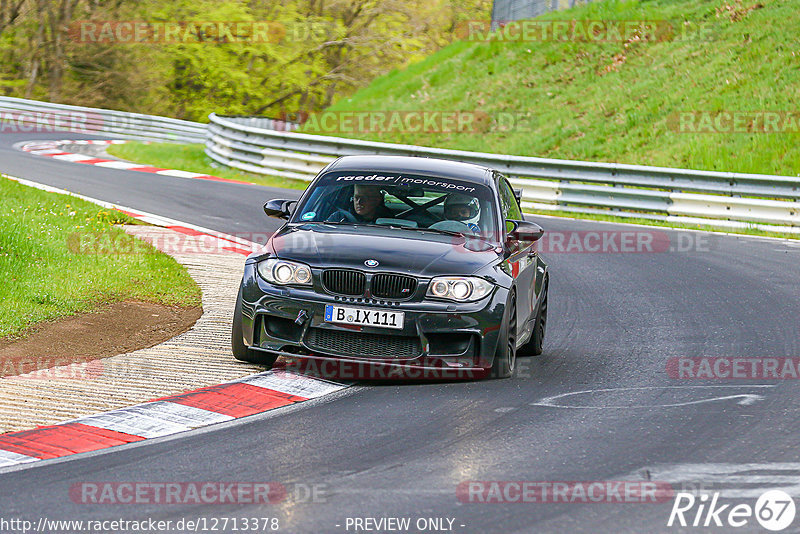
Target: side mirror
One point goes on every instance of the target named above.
(525, 231)
(279, 208)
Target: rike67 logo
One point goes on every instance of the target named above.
(774, 510)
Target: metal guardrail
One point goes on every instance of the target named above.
(266, 146)
(677, 195)
(508, 10)
(23, 116)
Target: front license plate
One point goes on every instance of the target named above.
(364, 317)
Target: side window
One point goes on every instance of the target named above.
(508, 203)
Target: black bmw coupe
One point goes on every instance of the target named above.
(399, 267)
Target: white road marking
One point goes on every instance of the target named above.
(730, 480)
(745, 398)
(73, 157)
(180, 174)
(46, 151)
(118, 164)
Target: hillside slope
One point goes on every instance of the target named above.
(619, 100)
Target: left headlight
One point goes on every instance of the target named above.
(459, 288)
(282, 272)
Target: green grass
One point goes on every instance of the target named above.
(574, 108)
(47, 274)
(192, 158)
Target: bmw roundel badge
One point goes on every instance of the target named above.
(371, 263)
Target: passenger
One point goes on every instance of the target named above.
(464, 209)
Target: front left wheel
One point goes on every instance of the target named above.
(239, 349)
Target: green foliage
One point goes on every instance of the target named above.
(315, 53)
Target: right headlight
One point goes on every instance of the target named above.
(282, 272)
(459, 288)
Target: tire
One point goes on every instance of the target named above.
(240, 350)
(534, 346)
(505, 357)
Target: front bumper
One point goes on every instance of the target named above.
(438, 338)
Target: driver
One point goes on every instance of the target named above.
(368, 203)
(463, 208)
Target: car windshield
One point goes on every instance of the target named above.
(400, 200)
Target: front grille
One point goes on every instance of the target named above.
(393, 286)
(362, 345)
(344, 282)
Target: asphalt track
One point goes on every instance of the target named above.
(401, 450)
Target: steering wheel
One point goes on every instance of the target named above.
(345, 215)
(452, 226)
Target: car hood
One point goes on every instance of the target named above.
(395, 249)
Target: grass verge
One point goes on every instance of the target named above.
(192, 158)
(47, 273)
(618, 100)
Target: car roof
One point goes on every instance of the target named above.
(423, 166)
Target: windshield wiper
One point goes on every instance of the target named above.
(402, 227)
(449, 232)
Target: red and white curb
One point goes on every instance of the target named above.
(54, 150)
(163, 417)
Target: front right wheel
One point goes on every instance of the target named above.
(534, 346)
(505, 357)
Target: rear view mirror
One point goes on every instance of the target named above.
(518, 196)
(279, 208)
(407, 191)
